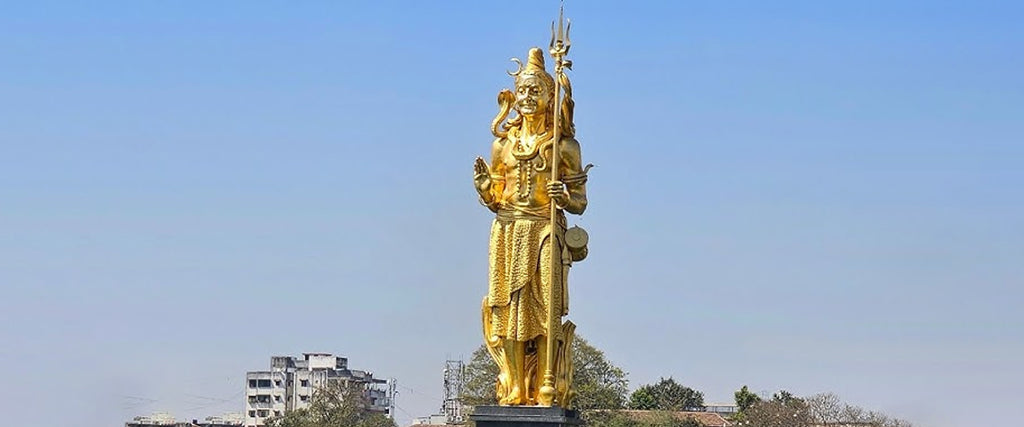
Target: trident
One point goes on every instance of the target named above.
(558, 48)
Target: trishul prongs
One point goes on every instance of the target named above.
(560, 43)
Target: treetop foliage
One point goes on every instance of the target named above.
(599, 384)
(666, 395)
(335, 405)
(829, 409)
(602, 389)
(786, 410)
(745, 399)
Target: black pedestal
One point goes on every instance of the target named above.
(524, 416)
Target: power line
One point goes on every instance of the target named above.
(420, 394)
(405, 412)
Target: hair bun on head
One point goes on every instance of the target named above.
(535, 60)
(535, 68)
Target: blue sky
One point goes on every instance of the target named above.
(815, 196)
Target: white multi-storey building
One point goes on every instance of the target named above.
(163, 419)
(291, 382)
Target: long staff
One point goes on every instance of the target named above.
(558, 48)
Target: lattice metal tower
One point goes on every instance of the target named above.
(454, 381)
(392, 394)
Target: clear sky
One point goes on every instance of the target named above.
(815, 196)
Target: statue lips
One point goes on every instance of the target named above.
(528, 107)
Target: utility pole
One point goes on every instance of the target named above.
(392, 394)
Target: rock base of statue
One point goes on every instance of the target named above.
(524, 416)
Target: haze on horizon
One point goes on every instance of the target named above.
(810, 196)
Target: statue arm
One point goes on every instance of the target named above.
(574, 176)
(490, 193)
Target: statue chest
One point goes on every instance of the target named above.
(526, 175)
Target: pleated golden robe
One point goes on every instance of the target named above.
(520, 281)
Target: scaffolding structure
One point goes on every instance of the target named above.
(454, 383)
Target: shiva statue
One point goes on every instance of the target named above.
(529, 183)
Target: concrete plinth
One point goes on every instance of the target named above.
(524, 416)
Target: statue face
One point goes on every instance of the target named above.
(532, 97)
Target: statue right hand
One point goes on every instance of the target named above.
(481, 176)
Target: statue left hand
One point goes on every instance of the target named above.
(558, 193)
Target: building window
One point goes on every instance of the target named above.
(277, 383)
(264, 383)
(252, 383)
(303, 398)
(252, 414)
(263, 413)
(277, 398)
(252, 399)
(277, 413)
(304, 383)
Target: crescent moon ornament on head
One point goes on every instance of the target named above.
(519, 67)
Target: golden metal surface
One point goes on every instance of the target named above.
(534, 176)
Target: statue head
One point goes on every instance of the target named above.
(534, 86)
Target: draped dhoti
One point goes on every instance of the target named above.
(520, 280)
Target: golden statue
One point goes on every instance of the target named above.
(531, 248)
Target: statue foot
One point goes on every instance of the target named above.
(514, 397)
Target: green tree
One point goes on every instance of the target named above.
(599, 384)
(335, 405)
(784, 397)
(643, 398)
(666, 395)
(783, 410)
(480, 380)
(745, 399)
